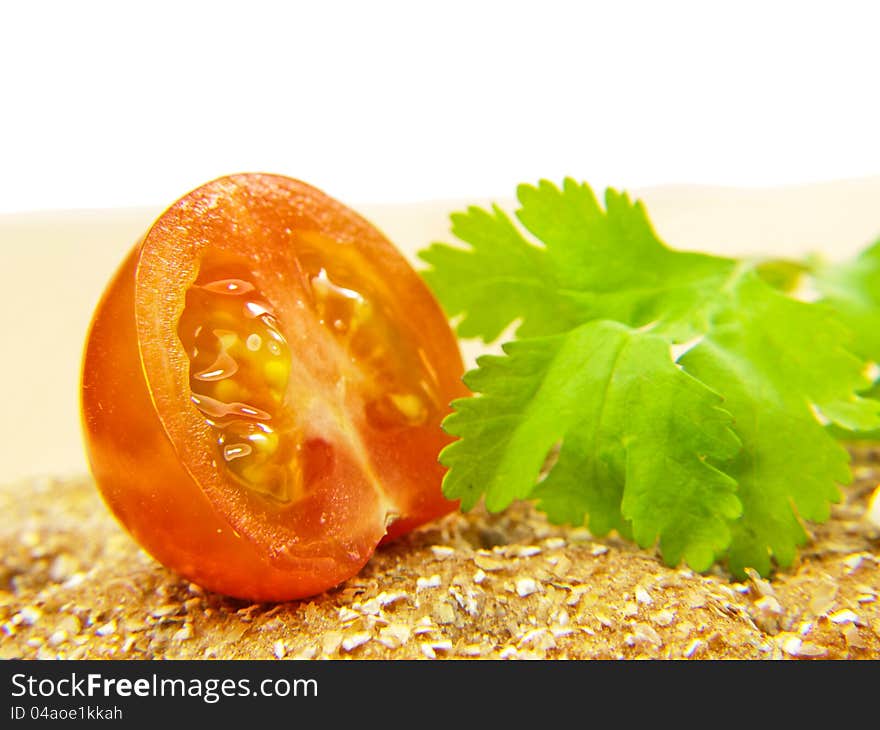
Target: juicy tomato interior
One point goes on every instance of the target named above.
(239, 371)
(240, 368)
(298, 369)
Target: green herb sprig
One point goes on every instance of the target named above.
(681, 399)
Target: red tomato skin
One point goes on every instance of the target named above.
(149, 483)
(143, 480)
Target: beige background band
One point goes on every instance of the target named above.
(55, 265)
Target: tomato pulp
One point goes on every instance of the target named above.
(262, 390)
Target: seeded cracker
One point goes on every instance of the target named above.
(74, 585)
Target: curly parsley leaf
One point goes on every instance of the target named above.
(720, 453)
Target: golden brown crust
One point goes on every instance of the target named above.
(473, 586)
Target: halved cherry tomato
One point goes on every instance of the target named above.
(262, 390)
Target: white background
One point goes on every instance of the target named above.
(105, 106)
(116, 103)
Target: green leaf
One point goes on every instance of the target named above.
(778, 363)
(639, 439)
(725, 451)
(782, 274)
(589, 264)
(499, 279)
(852, 289)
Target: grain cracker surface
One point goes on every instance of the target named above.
(508, 586)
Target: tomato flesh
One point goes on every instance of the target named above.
(239, 370)
(286, 371)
